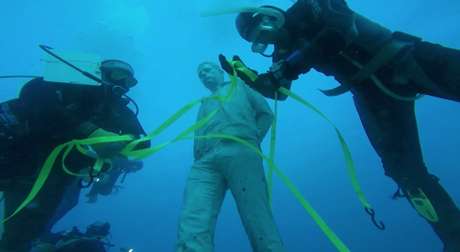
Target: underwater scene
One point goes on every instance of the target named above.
(230, 126)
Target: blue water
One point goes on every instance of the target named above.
(165, 40)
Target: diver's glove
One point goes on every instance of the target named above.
(275, 75)
(267, 84)
(106, 150)
(246, 74)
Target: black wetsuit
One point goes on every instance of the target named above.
(327, 36)
(52, 114)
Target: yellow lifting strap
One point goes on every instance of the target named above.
(140, 154)
(347, 155)
(130, 151)
(51, 160)
(333, 238)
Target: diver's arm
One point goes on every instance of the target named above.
(90, 129)
(332, 27)
(130, 124)
(329, 27)
(267, 85)
(124, 123)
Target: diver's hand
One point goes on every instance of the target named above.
(267, 81)
(225, 64)
(269, 86)
(278, 76)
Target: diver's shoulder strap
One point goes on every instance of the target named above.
(387, 53)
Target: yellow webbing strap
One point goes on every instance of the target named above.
(132, 145)
(346, 153)
(128, 151)
(143, 153)
(270, 160)
(377, 81)
(97, 167)
(66, 148)
(48, 165)
(335, 240)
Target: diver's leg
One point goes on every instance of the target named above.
(246, 179)
(392, 130)
(32, 221)
(442, 66)
(13, 238)
(68, 202)
(203, 197)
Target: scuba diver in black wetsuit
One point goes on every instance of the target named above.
(385, 71)
(45, 115)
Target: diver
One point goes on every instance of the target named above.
(222, 165)
(385, 71)
(94, 239)
(45, 115)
